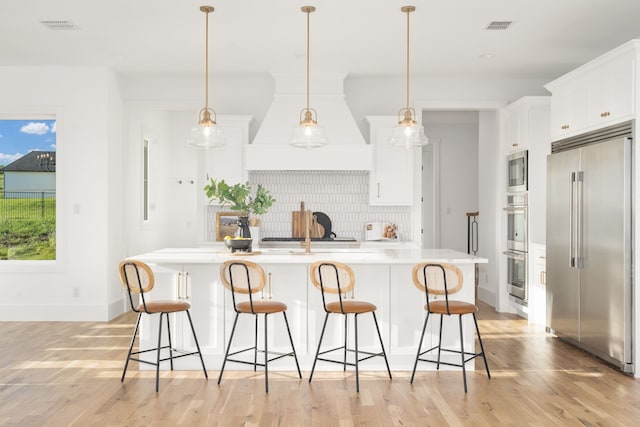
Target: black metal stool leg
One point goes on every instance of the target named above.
(286, 322)
(384, 353)
(346, 318)
(266, 357)
(255, 344)
(195, 339)
(439, 342)
(355, 330)
(486, 366)
(158, 353)
(424, 329)
(324, 325)
(464, 371)
(170, 344)
(133, 338)
(226, 354)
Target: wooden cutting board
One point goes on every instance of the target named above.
(298, 222)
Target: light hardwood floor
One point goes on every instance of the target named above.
(64, 373)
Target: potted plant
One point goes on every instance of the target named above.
(240, 198)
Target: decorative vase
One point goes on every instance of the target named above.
(243, 227)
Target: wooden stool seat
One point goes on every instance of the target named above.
(350, 307)
(261, 307)
(166, 306)
(138, 279)
(455, 307)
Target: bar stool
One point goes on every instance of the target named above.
(245, 277)
(445, 279)
(336, 278)
(137, 278)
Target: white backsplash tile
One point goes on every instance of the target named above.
(342, 195)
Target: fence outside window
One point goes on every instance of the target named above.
(28, 205)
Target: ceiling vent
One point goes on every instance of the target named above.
(59, 25)
(498, 25)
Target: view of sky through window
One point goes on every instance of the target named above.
(19, 137)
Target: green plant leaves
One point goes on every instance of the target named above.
(238, 196)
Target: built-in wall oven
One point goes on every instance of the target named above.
(517, 247)
(517, 276)
(517, 164)
(517, 222)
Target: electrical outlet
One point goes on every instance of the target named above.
(75, 292)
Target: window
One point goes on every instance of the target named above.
(28, 189)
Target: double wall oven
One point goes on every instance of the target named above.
(517, 227)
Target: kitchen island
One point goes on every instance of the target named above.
(383, 277)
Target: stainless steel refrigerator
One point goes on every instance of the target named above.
(589, 264)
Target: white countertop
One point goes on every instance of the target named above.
(297, 256)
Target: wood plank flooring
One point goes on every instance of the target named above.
(68, 374)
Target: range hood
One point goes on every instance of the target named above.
(346, 148)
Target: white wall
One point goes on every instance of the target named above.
(86, 103)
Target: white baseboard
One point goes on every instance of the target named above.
(61, 313)
(487, 296)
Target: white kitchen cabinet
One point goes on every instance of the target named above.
(610, 91)
(517, 128)
(537, 285)
(568, 108)
(391, 182)
(599, 93)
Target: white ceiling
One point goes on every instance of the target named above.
(358, 37)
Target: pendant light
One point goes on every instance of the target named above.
(308, 134)
(408, 133)
(207, 134)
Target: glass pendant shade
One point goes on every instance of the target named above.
(207, 134)
(408, 133)
(308, 134)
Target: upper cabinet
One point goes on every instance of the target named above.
(610, 91)
(600, 93)
(391, 181)
(517, 124)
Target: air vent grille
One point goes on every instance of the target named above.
(498, 25)
(59, 25)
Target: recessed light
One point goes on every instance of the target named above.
(486, 55)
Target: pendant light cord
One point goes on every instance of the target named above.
(206, 63)
(308, 20)
(408, 85)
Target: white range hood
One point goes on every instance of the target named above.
(346, 148)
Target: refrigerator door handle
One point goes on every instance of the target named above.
(572, 207)
(579, 219)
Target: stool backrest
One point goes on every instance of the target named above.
(243, 277)
(437, 278)
(332, 277)
(137, 278)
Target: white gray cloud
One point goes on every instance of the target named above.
(34, 128)
(5, 159)
(54, 127)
